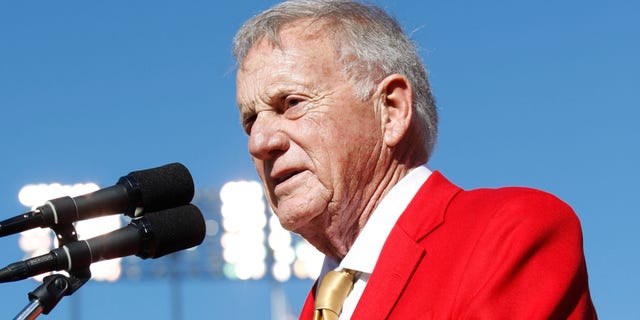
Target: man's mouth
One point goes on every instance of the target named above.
(285, 177)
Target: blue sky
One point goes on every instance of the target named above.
(541, 94)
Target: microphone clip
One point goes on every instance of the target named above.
(45, 297)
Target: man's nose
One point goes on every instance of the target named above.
(267, 138)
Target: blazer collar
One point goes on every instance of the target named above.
(427, 209)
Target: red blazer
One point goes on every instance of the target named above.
(508, 253)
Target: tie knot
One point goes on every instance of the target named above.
(332, 291)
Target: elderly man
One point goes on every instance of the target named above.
(341, 124)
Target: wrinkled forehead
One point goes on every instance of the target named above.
(303, 58)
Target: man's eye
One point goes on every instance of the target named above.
(295, 107)
(291, 102)
(247, 123)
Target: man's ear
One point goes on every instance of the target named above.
(395, 98)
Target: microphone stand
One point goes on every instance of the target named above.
(54, 287)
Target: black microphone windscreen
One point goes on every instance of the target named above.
(176, 229)
(164, 187)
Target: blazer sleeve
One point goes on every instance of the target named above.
(527, 263)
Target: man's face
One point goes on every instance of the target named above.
(314, 144)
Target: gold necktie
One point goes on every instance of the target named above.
(333, 289)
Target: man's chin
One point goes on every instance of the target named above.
(295, 220)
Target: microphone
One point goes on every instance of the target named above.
(151, 236)
(141, 191)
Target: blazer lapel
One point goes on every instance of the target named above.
(402, 251)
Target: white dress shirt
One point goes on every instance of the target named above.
(364, 253)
